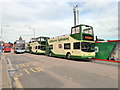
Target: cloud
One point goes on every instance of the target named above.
(56, 18)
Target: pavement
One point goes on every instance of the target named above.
(40, 71)
(0, 71)
(4, 75)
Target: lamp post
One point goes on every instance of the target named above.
(2, 30)
(1, 34)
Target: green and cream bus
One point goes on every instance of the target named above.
(78, 45)
(27, 47)
(38, 46)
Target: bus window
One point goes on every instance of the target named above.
(6, 47)
(87, 29)
(87, 47)
(35, 47)
(75, 30)
(76, 45)
(51, 47)
(38, 47)
(42, 48)
(43, 42)
(66, 45)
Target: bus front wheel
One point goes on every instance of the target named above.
(68, 56)
(50, 54)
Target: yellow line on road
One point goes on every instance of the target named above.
(26, 71)
(33, 70)
(16, 66)
(39, 69)
(18, 84)
(20, 65)
(23, 65)
(18, 75)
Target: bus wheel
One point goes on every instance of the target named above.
(50, 54)
(68, 56)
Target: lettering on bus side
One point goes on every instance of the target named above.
(61, 39)
(53, 41)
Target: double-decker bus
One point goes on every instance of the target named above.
(19, 46)
(27, 47)
(78, 45)
(38, 46)
(7, 47)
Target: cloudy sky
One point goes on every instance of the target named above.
(54, 18)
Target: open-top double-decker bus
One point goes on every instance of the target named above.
(38, 46)
(78, 45)
(27, 47)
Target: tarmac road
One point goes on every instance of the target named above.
(40, 71)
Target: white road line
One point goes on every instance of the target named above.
(11, 68)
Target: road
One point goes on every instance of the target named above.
(40, 71)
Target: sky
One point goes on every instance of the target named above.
(55, 18)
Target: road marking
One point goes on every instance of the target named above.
(16, 66)
(18, 84)
(10, 63)
(38, 68)
(18, 75)
(22, 65)
(26, 71)
(67, 77)
(33, 70)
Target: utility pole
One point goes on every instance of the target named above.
(76, 15)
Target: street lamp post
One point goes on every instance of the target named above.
(1, 33)
(2, 30)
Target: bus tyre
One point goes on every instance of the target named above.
(50, 54)
(68, 56)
